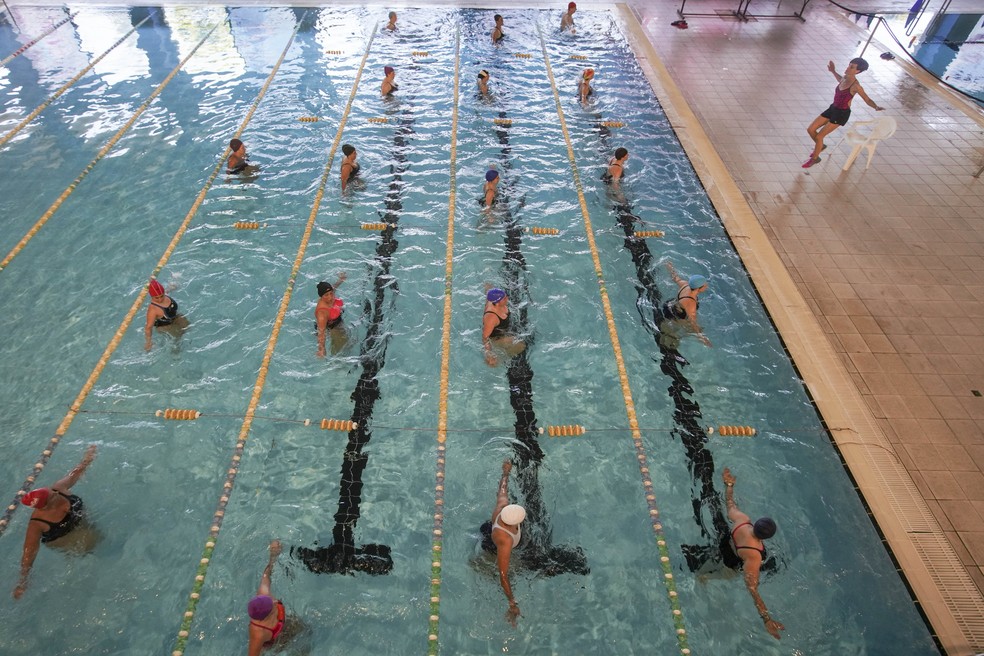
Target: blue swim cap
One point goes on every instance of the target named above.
(697, 281)
(491, 175)
(495, 295)
(764, 528)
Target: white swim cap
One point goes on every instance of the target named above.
(513, 514)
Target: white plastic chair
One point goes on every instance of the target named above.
(882, 128)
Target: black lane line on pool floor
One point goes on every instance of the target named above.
(686, 414)
(538, 553)
(342, 556)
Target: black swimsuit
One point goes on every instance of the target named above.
(673, 309)
(170, 314)
(502, 35)
(71, 519)
(761, 551)
(607, 177)
(501, 328)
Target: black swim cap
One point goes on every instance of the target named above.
(348, 150)
(620, 153)
(324, 288)
(764, 528)
(235, 144)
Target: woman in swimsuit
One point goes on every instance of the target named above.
(328, 316)
(483, 83)
(497, 33)
(56, 513)
(388, 86)
(616, 168)
(495, 327)
(267, 615)
(840, 111)
(349, 168)
(747, 538)
(162, 312)
(684, 306)
(505, 533)
(584, 88)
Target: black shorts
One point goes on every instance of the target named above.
(837, 116)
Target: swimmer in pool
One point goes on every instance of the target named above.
(567, 20)
(747, 538)
(349, 168)
(497, 34)
(584, 88)
(684, 306)
(495, 327)
(616, 168)
(840, 111)
(388, 87)
(267, 615)
(238, 158)
(161, 313)
(502, 535)
(391, 26)
(483, 83)
(57, 513)
(328, 316)
(489, 188)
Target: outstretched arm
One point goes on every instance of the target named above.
(871, 103)
(65, 484)
(503, 544)
(275, 550)
(673, 274)
(32, 542)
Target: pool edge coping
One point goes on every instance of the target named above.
(914, 537)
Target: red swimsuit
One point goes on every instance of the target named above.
(277, 628)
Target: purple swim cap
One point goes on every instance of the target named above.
(491, 175)
(260, 606)
(495, 295)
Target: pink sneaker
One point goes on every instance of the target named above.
(810, 162)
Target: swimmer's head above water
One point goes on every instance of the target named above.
(36, 498)
(764, 528)
(513, 514)
(389, 70)
(483, 74)
(495, 295)
(696, 281)
(259, 607)
(324, 288)
(155, 288)
(491, 175)
(588, 73)
(348, 149)
(235, 145)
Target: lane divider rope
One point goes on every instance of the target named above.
(677, 612)
(442, 414)
(260, 383)
(117, 338)
(102, 153)
(20, 51)
(40, 108)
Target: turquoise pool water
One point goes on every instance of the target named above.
(358, 507)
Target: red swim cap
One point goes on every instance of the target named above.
(36, 498)
(155, 288)
(388, 69)
(572, 5)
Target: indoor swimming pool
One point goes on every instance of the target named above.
(121, 176)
